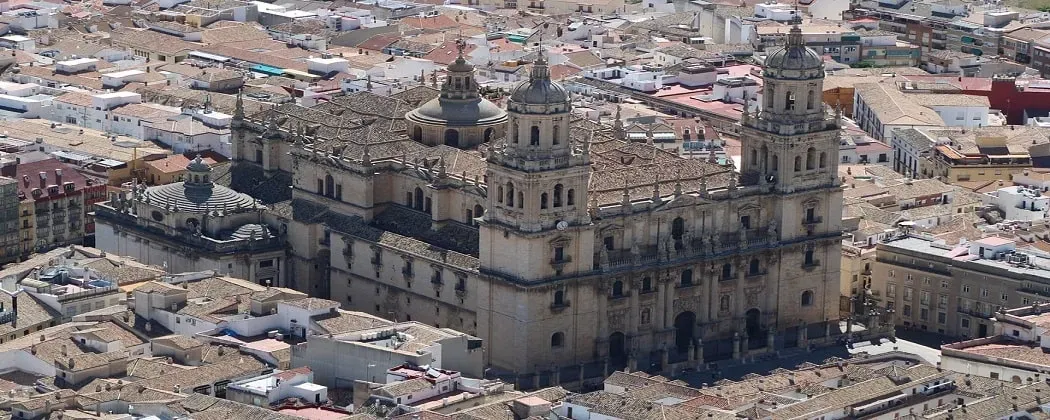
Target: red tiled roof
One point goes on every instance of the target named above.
(378, 42)
(447, 52)
(28, 177)
(430, 22)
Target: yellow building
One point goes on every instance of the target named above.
(172, 168)
(27, 226)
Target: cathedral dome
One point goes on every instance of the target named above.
(458, 106)
(454, 112)
(794, 60)
(198, 193)
(539, 89)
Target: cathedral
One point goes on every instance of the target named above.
(551, 237)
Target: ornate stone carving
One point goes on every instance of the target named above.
(686, 303)
(752, 294)
(618, 320)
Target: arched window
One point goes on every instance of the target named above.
(811, 100)
(789, 101)
(811, 158)
(677, 228)
(727, 271)
(470, 217)
(723, 303)
(769, 97)
(488, 134)
(776, 162)
(823, 159)
(534, 136)
(408, 199)
(521, 200)
(417, 133)
(557, 340)
(617, 289)
(647, 316)
(570, 197)
(807, 298)
(478, 210)
(559, 298)
(499, 194)
(798, 163)
(543, 200)
(754, 156)
(809, 257)
(197, 179)
(557, 195)
(419, 199)
(329, 186)
(554, 136)
(427, 202)
(753, 267)
(320, 185)
(647, 284)
(687, 277)
(510, 195)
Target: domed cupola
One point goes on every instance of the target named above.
(539, 94)
(198, 173)
(459, 116)
(794, 61)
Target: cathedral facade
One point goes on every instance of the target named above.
(552, 238)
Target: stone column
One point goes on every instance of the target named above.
(581, 373)
(669, 304)
(660, 317)
(802, 335)
(771, 340)
(606, 367)
(251, 271)
(664, 359)
(633, 314)
(266, 155)
(736, 346)
(712, 297)
(632, 364)
(555, 376)
(699, 353)
(603, 322)
(692, 352)
(827, 330)
(745, 341)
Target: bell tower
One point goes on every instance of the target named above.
(537, 225)
(791, 142)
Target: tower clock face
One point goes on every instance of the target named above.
(562, 225)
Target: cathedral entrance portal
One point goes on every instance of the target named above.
(683, 331)
(617, 350)
(753, 325)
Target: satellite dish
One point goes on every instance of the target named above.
(561, 225)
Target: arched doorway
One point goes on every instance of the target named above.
(488, 134)
(452, 138)
(683, 331)
(617, 350)
(417, 133)
(753, 326)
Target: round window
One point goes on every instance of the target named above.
(158, 216)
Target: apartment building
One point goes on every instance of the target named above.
(61, 198)
(8, 220)
(953, 289)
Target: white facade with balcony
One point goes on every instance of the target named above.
(1019, 203)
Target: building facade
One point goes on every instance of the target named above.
(9, 203)
(558, 244)
(57, 202)
(955, 289)
(194, 225)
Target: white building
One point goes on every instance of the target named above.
(77, 65)
(18, 42)
(266, 390)
(1034, 178)
(779, 12)
(193, 129)
(1019, 203)
(32, 19)
(1019, 351)
(641, 78)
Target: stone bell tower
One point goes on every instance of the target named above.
(537, 226)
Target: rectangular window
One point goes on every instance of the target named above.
(924, 298)
(559, 254)
(265, 263)
(944, 284)
(906, 310)
(924, 314)
(907, 293)
(891, 289)
(964, 323)
(942, 318)
(984, 292)
(966, 288)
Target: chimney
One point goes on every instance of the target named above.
(43, 180)
(64, 351)
(58, 177)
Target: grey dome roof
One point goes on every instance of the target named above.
(539, 91)
(251, 230)
(794, 58)
(454, 112)
(197, 198)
